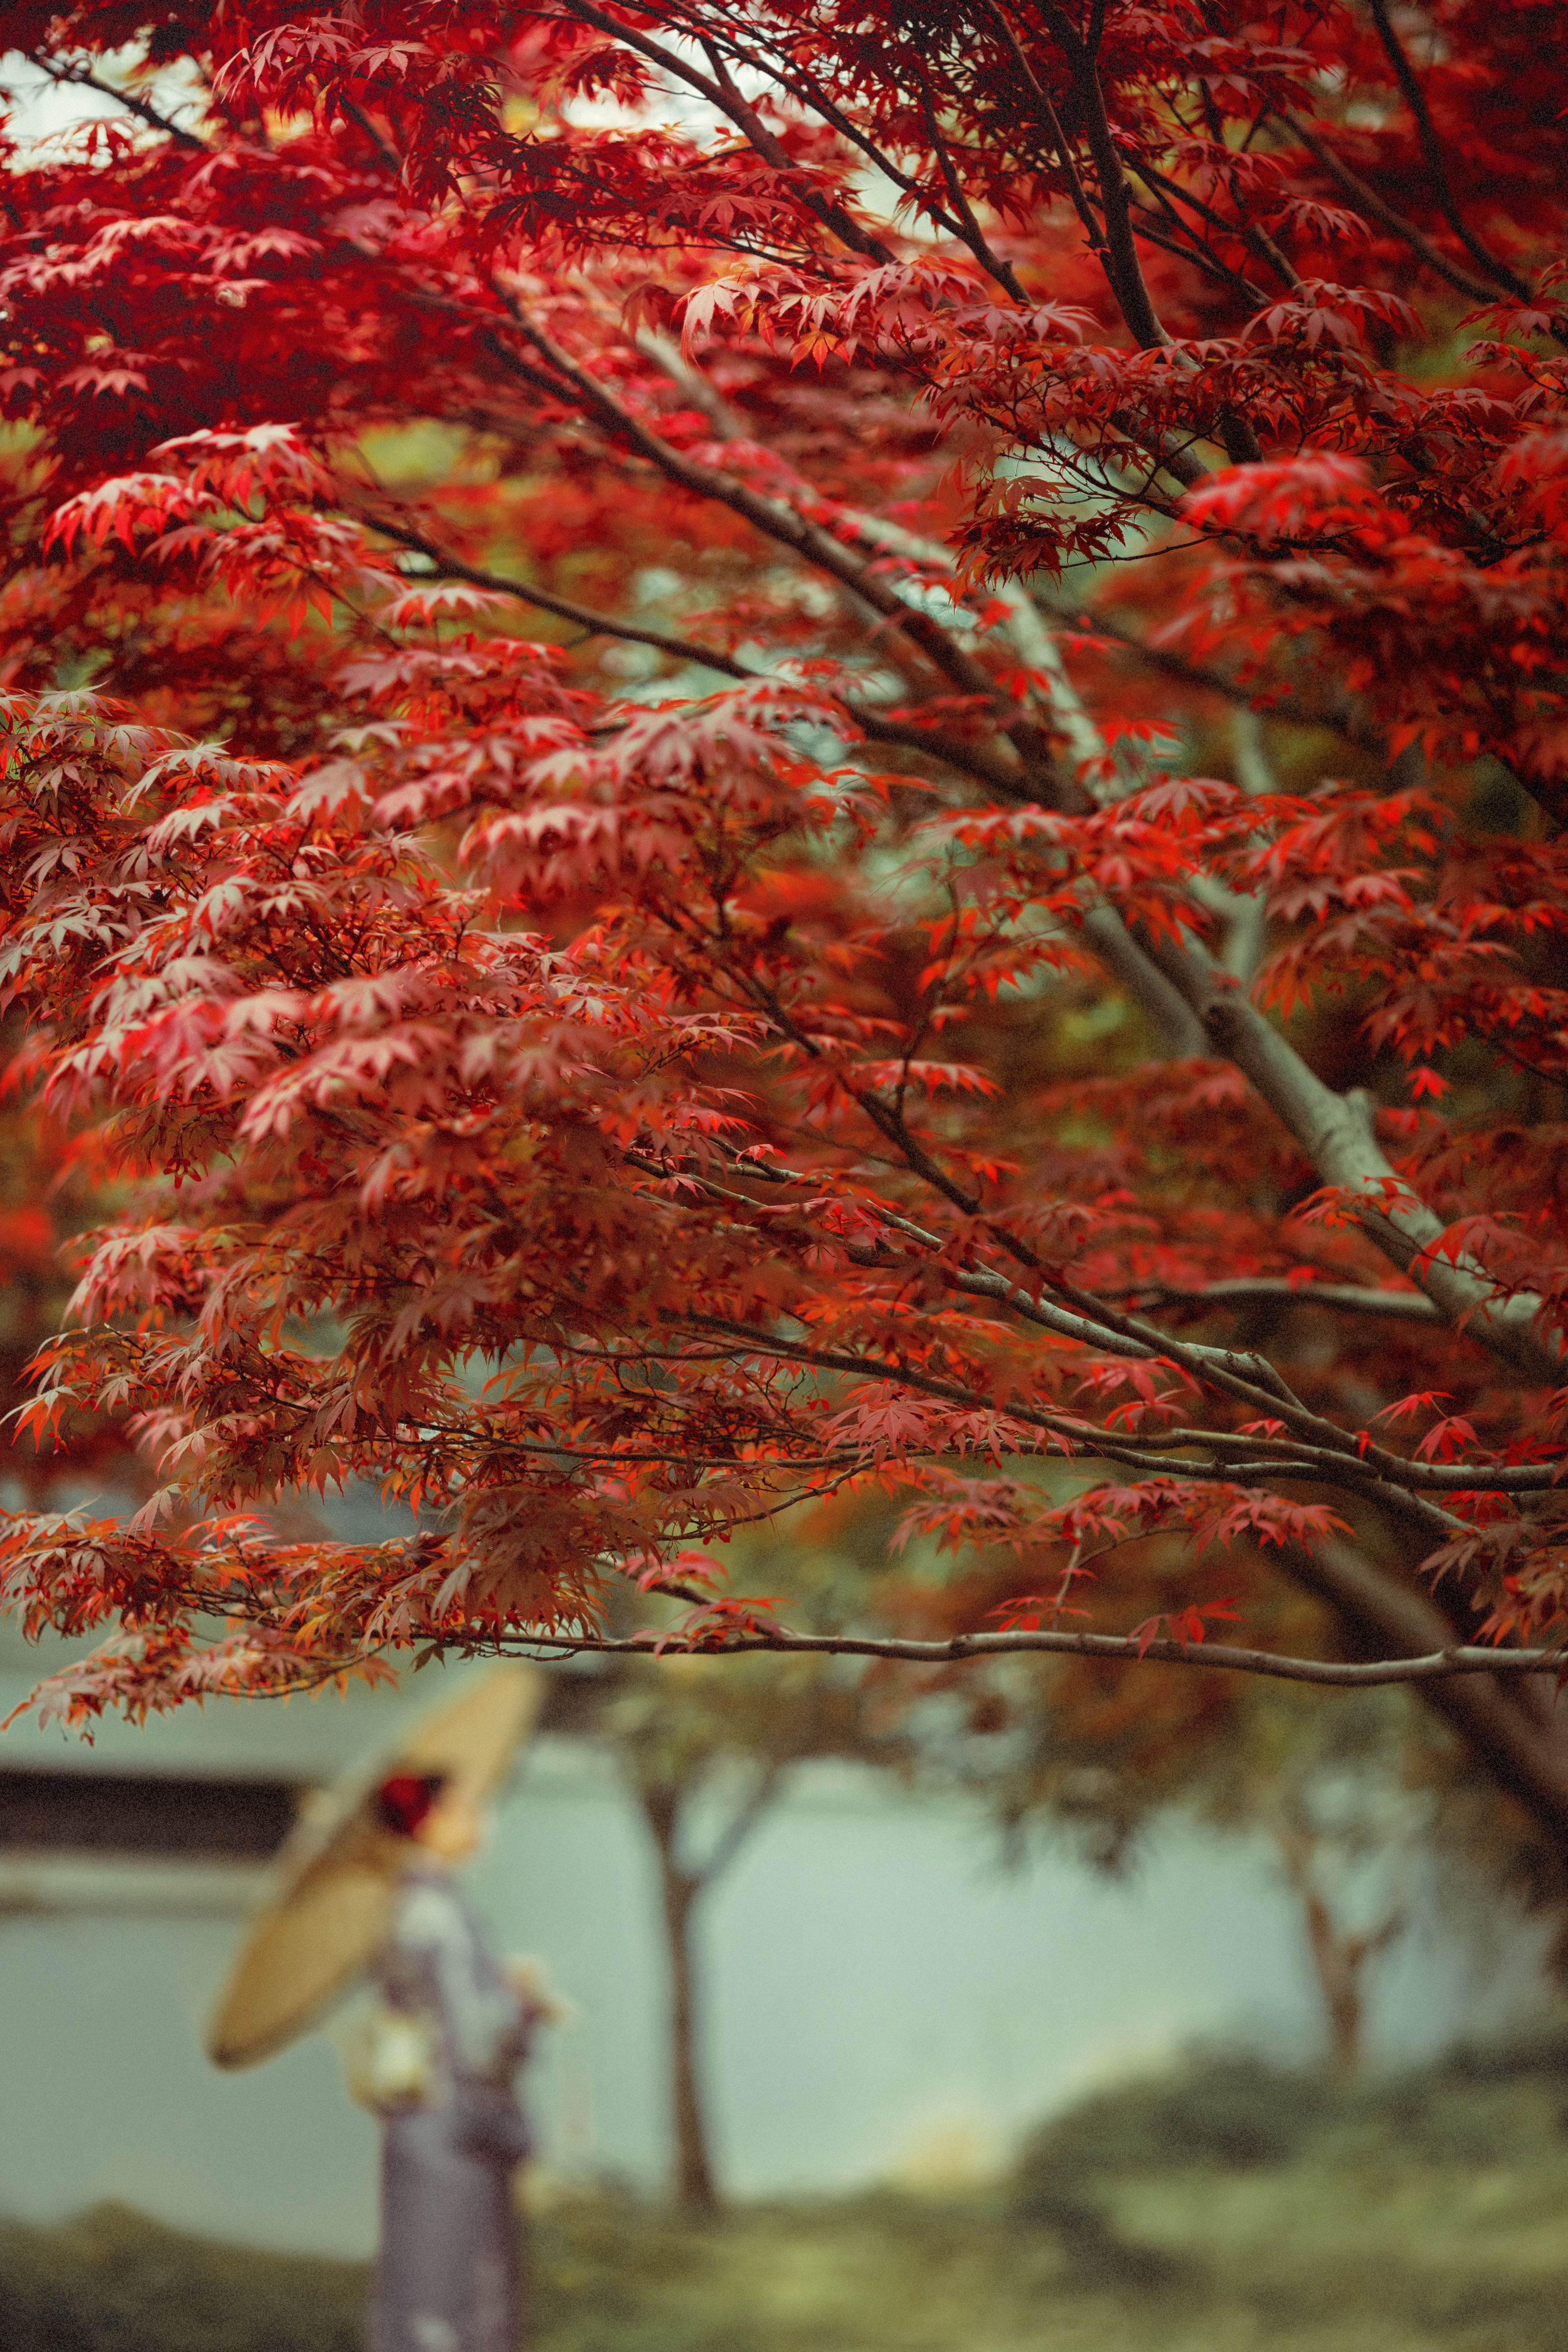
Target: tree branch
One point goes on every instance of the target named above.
(1335, 1131)
(1119, 952)
(1479, 289)
(596, 623)
(965, 227)
(1052, 122)
(1119, 255)
(1447, 1664)
(1379, 1614)
(969, 759)
(1404, 1305)
(372, 131)
(805, 86)
(1432, 148)
(1203, 680)
(781, 523)
(728, 101)
(1178, 238)
(1386, 1481)
(1165, 189)
(82, 77)
(740, 1825)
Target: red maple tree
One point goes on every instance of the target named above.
(814, 741)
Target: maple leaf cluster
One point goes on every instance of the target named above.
(758, 752)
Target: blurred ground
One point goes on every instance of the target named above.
(1221, 2210)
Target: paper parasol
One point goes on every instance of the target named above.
(334, 1881)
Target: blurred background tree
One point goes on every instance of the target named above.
(706, 1746)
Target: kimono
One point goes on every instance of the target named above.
(447, 2276)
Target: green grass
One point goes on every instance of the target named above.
(1224, 2210)
(112, 2282)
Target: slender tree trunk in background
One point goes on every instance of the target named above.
(679, 1889)
(695, 2184)
(1339, 1977)
(1339, 1960)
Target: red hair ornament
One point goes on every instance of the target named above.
(405, 1801)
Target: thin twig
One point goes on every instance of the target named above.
(596, 623)
(1244, 231)
(966, 227)
(1067, 162)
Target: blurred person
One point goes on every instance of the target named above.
(362, 1892)
(440, 2061)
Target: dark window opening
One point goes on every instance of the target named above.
(144, 1813)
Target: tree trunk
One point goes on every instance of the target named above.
(1340, 1960)
(695, 2186)
(1339, 1974)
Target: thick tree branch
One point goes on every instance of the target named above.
(1335, 1132)
(1244, 914)
(1174, 1023)
(1403, 1306)
(1119, 255)
(373, 133)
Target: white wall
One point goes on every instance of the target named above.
(883, 1999)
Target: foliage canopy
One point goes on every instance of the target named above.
(763, 747)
